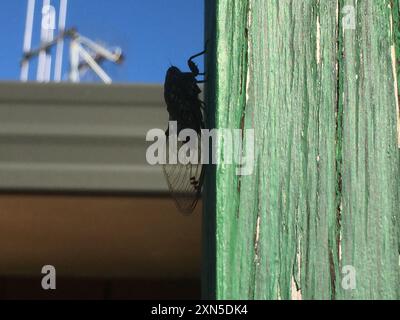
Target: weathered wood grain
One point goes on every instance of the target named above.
(325, 188)
(370, 172)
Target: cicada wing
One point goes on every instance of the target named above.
(184, 182)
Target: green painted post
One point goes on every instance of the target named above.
(323, 199)
(370, 195)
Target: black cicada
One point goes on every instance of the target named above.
(181, 94)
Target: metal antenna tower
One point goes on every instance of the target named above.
(85, 54)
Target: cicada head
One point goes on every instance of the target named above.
(172, 73)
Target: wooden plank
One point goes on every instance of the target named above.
(396, 33)
(326, 172)
(230, 103)
(370, 155)
(395, 29)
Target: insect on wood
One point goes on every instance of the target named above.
(181, 94)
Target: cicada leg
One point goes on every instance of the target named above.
(193, 66)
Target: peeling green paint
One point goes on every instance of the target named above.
(325, 188)
(395, 4)
(370, 155)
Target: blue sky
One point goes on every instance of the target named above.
(152, 33)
